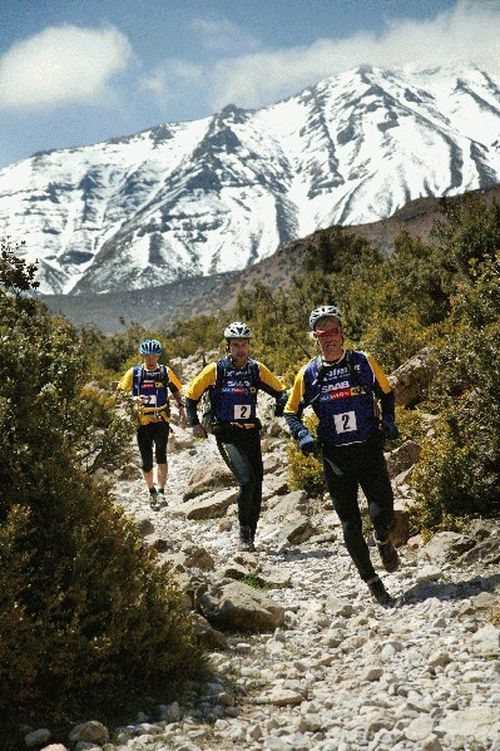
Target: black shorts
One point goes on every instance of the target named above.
(155, 433)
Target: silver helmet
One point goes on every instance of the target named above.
(237, 330)
(324, 311)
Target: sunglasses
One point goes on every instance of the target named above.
(331, 331)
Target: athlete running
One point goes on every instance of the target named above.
(233, 383)
(343, 388)
(149, 384)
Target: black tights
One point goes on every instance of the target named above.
(242, 453)
(346, 468)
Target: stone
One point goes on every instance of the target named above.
(37, 737)
(91, 732)
(402, 458)
(373, 674)
(239, 607)
(195, 556)
(170, 712)
(283, 697)
(211, 474)
(486, 552)
(212, 507)
(487, 641)
(145, 526)
(428, 574)
(298, 531)
(400, 527)
(208, 636)
(339, 607)
(446, 546)
(286, 505)
(480, 722)
(419, 728)
(412, 379)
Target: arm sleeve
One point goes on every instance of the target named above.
(383, 388)
(196, 389)
(293, 408)
(174, 383)
(271, 384)
(126, 382)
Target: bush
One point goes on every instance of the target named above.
(305, 472)
(87, 619)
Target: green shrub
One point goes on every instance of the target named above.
(305, 472)
(88, 623)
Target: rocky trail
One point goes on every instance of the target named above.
(303, 657)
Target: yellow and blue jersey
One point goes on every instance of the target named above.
(344, 396)
(153, 387)
(233, 390)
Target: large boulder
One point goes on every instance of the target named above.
(402, 458)
(412, 379)
(211, 506)
(446, 546)
(238, 607)
(211, 474)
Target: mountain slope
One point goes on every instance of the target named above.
(163, 305)
(219, 194)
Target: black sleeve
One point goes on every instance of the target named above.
(387, 404)
(191, 413)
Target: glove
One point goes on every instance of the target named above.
(389, 428)
(280, 405)
(307, 444)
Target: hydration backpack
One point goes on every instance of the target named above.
(209, 398)
(138, 378)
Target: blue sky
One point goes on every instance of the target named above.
(74, 72)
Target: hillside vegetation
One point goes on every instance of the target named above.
(442, 293)
(87, 619)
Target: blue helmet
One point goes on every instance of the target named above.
(150, 347)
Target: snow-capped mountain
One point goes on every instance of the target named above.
(218, 194)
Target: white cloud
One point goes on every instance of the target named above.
(223, 35)
(173, 81)
(62, 64)
(467, 32)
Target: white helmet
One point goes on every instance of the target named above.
(237, 330)
(324, 311)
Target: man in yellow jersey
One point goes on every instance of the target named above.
(233, 383)
(344, 388)
(149, 384)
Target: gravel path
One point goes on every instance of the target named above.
(342, 673)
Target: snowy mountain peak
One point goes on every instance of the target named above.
(184, 199)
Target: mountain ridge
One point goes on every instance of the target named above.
(183, 200)
(164, 305)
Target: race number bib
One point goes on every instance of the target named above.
(242, 411)
(149, 401)
(345, 422)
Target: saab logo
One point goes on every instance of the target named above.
(341, 394)
(341, 385)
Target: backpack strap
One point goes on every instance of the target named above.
(254, 372)
(137, 379)
(164, 376)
